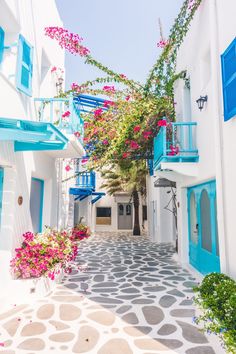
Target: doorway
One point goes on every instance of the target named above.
(36, 204)
(203, 231)
(125, 216)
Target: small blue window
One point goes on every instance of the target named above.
(2, 35)
(228, 62)
(24, 69)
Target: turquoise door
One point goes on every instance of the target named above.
(36, 204)
(203, 232)
(1, 191)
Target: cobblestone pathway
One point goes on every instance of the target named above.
(138, 301)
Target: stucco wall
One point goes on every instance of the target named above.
(211, 31)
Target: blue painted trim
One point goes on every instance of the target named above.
(41, 181)
(75, 121)
(199, 257)
(225, 82)
(98, 195)
(2, 38)
(80, 191)
(1, 191)
(187, 151)
(23, 65)
(86, 180)
(29, 135)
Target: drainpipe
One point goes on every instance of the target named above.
(219, 147)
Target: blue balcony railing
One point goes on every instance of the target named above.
(86, 180)
(176, 143)
(63, 113)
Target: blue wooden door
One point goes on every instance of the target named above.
(203, 232)
(1, 191)
(36, 204)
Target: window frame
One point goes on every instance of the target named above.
(20, 63)
(232, 113)
(2, 44)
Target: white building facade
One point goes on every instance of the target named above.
(204, 168)
(33, 138)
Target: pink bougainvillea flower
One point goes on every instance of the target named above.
(127, 98)
(86, 139)
(125, 155)
(191, 4)
(66, 114)
(134, 145)
(84, 161)
(86, 125)
(162, 123)
(2, 344)
(110, 89)
(67, 168)
(67, 40)
(174, 150)
(147, 135)
(28, 236)
(54, 68)
(105, 142)
(137, 128)
(98, 112)
(108, 104)
(123, 76)
(75, 87)
(77, 134)
(127, 142)
(162, 43)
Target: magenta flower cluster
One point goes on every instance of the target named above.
(67, 40)
(44, 254)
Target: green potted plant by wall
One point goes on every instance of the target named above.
(216, 298)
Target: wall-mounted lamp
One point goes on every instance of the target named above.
(200, 101)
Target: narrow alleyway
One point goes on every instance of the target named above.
(138, 300)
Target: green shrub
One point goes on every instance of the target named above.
(216, 295)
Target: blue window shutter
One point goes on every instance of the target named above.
(2, 35)
(228, 63)
(24, 68)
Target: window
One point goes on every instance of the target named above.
(128, 209)
(36, 204)
(144, 212)
(103, 216)
(24, 67)
(2, 36)
(121, 209)
(228, 62)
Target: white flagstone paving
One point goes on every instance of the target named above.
(125, 295)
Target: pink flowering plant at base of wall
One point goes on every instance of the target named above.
(80, 232)
(43, 254)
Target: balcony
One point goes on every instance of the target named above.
(85, 186)
(86, 180)
(64, 114)
(175, 148)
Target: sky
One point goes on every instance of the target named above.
(122, 34)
